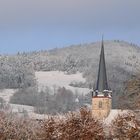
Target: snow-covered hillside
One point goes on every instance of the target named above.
(55, 79)
(122, 61)
(52, 79)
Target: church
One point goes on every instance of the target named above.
(101, 96)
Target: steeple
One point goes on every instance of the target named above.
(102, 84)
(102, 96)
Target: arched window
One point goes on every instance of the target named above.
(100, 104)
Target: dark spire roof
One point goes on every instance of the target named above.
(102, 77)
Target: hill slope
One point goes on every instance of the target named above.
(122, 62)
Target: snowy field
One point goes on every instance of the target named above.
(60, 79)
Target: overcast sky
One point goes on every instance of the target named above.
(27, 25)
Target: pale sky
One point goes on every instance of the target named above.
(27, 25)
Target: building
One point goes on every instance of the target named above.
(101, 96)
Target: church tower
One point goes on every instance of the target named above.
(101, 96)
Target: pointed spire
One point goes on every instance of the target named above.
(102, 77)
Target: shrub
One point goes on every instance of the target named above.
(75, 126)
(15, 128)
(126, 127)
(25, 96)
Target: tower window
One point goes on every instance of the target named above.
(100, 104)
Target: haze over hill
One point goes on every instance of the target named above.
(122, 62)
